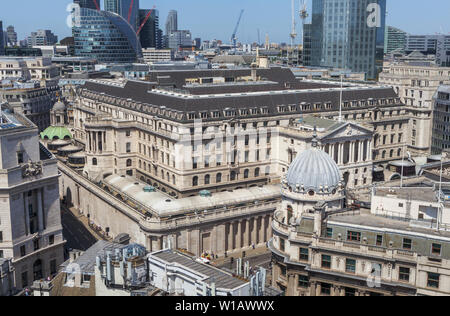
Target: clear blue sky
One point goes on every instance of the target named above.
(211, 19)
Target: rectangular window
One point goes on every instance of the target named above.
(436, 249)
(23, 251)
(329, 233)
(326, 262)
(1, 254)
(379, 240)
(407, 244)
(128, 147)
(325, 288)
(404, 274)
(353, 236)
(53, 269)
(20, 158)
(36, 244)
(433, 280)
(1, 236)
(282, 244)
(350, 266)
(51, 239)
(304, 254)
(303, 281)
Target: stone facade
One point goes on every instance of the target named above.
(416, 86)
(29, 203)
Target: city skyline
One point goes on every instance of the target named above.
(220, 25)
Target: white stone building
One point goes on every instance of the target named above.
(30, 220)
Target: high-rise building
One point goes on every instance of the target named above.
(89, 4)
(149, 33)
(42, 38)
(348, 34)
(128, 9)
(118, 40)
(440, 139)
(11, 36)
(30, 230)
(438, 45)
(395, 40)
(178, 39)
(172, 22)
(2, 42)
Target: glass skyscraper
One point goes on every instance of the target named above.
(2, 40)
(106, 36)
(89, 4)
(149, 33)
(125, 8)
(348, 34)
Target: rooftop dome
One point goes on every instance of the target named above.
(56, 132)
(313, 169)
(59, 106)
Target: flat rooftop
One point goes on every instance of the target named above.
(211, 274)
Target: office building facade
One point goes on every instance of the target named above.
(395, 40)
(2, 42)
(119, 40)
(348, 34)
(438, 45)
(41, 38)
(88, 4)
(149, 33)
(441, 121)
(11, 36)
(178, 39)
(128, 9)
(172, 22)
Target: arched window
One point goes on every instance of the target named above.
(218, 178)
(174, 180)
(233, 176)
(94, 161)
(383, 155)
(246, 173)
(162, 174)
(207, 179)
(267, 171)
(129, 163)
(391, 153)
(168, 177)
(257, 172)
(399, 152)
(195, 181)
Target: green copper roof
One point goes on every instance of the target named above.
(53, 132)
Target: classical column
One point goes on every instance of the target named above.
(230, 237)
(247, 233)
(239, 235)
(254, 232)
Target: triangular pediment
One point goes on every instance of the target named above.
(347, 131)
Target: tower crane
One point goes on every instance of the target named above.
(303, 16)
(233, 37)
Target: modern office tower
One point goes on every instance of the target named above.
(149, 32)
(395, 40)
(128, 9)
(119, 42)
(440, 139)
(348, 34)
(42, 38)
(178, 39)
(159, 39)
(11, 36)
(30, 227)
(2, 42)
(172, 22)
(438, 45)
(88, 4)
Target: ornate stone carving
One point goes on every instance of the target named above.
(31, 169)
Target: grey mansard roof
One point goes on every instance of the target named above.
(312, 170)
(237, 96)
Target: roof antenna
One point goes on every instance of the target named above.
(314, 141)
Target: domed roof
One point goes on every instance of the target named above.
(313, 169)
(59, 106)
(59, 132)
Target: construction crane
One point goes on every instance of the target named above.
(233, 37)
(96, 5)
(303, 16)
(145, 20)
(293, 32)
(130, 10)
